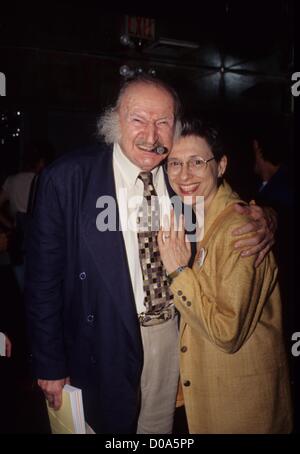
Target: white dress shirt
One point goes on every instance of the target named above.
(128, 183)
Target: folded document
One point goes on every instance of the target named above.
(69, 419)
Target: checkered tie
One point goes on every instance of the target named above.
(157, 293)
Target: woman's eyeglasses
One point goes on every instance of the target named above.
(194, 165)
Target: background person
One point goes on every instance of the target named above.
(15, 193)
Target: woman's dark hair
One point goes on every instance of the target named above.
(205, 130)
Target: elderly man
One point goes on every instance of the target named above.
(100, 310)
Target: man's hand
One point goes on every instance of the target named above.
(263, 224)
(53, 391)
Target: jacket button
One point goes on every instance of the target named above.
(183, 298)
(187, 383)
(90, 318)
(188, 303)
(183, 349)
(82, 275)
(179, 293)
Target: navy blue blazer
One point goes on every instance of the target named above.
(79, 298)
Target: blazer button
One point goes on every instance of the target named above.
(183, 298)
(187, 383)
(179, 293)
(90, 318)
(82, 276)
(183, 349)
(188, 303)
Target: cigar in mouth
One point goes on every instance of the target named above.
(160, 149)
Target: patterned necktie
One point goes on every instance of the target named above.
(157, 293)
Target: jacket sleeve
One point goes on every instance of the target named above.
(225, 297)
(45, 259)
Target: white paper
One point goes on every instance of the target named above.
(2, 344)
(77, 408)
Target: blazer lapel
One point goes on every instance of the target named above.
(107, 247)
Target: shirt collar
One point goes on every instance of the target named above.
(130, 171)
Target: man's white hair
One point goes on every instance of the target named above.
(108, 126)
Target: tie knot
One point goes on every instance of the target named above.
(146, 178)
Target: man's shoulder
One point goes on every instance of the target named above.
(84, 155)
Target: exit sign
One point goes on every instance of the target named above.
(140, 27)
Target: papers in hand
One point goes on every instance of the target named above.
(2, 344)
(69, 419)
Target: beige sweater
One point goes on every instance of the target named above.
(233, 364)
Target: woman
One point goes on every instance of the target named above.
(233, 365)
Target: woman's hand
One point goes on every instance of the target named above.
(174, 250)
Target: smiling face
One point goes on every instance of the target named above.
(203, 182)
(146, 116)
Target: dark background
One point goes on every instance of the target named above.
(62, 65)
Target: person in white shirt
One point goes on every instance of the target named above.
(15, 194)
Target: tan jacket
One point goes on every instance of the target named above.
(233, 364)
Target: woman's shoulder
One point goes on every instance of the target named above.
(229, 216)
(224, 233)
(230, 219)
